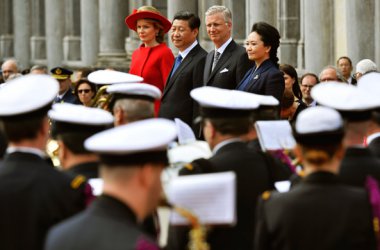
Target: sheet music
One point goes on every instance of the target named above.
(275, 135)
(211, 197)
(185, 133)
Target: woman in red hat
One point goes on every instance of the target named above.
(153, 60)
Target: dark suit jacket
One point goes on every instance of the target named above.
(357, 164)
(374, 146)
(176, 101)
(252, 179)
(319, 213)
(89, 170)
(267, 80)
(106, 224)
(230, 69)
(68, 97)
(34, 196)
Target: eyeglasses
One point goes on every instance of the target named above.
(80, 91)
(307, 86)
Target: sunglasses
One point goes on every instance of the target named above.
(80, 91)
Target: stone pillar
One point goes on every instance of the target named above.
(238, 20)
(55, 29)
(132, 42)
(260, 11)
(289, 28)
(203, 37)
(112, 33)
(71, 40)
(38, 39)
(319, 34)
(301, 41)
(89, 31)
(179, 5)
(22, 27)
(361, 30)
(377, 32)
(6, 29)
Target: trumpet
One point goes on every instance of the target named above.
(101, 99)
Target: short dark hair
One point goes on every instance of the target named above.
(16, 130)
(75, 142)
(270, 36)
(193, 20)
(309, 74)
(344, 57)
(82, 81)
(231, 126)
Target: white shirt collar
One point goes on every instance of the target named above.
(372, 137)
(223, 143)
(224, 46)
(188, 49)
(61, 96)
(35, 151)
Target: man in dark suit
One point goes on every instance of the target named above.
(65, 93)
(131, 190)
(187, 73)
(227, 64)
(34, 195)
(226, 119)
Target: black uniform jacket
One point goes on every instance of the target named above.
(106, 224)
(374, 146)
(34, 196)
(230, 69)
(319, 213)
(252, 179)
(357, 164)
(89, 170)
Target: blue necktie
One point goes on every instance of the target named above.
(246, 81)
(177, 62)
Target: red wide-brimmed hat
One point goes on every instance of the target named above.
(131, 20)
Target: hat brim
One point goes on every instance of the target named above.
(60, 77)
(131, 20)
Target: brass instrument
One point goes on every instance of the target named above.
(101, 99)
(52, 149)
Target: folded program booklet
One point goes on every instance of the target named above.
(275, 135)
(210, 197)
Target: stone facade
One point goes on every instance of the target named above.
(82, 33)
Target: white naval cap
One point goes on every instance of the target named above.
(134, 143)
(27, 94)
(146, 135)
(111, 76)
(318, 125)
(370, 83)
(353, 102)
(81, 115)
(135, 90)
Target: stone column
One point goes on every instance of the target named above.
(71, 40)
(6, 29)
(132, 41)
(89, 31)
(112, 33)
(202, 8)
(38, 39)
(289, 27)
(319, 34)
(260, 11)
(55, 30)
(238, 20)
(301, 41)
(22, 27)
(179, 5)
(361, 29)
(377, 32)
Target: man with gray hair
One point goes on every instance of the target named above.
(331, 73)
(9, 67)
(227, 64)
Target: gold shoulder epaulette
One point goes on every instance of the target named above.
(376, 225)
(189, 167)
(266, 195)
(77, 181)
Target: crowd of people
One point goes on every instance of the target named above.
(118, 126)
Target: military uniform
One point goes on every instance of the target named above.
(89, 170)
(357, 164)
(374, 146)
(319, 213)
(99, 228)
(35, 196)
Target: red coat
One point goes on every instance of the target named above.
(156, 70)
